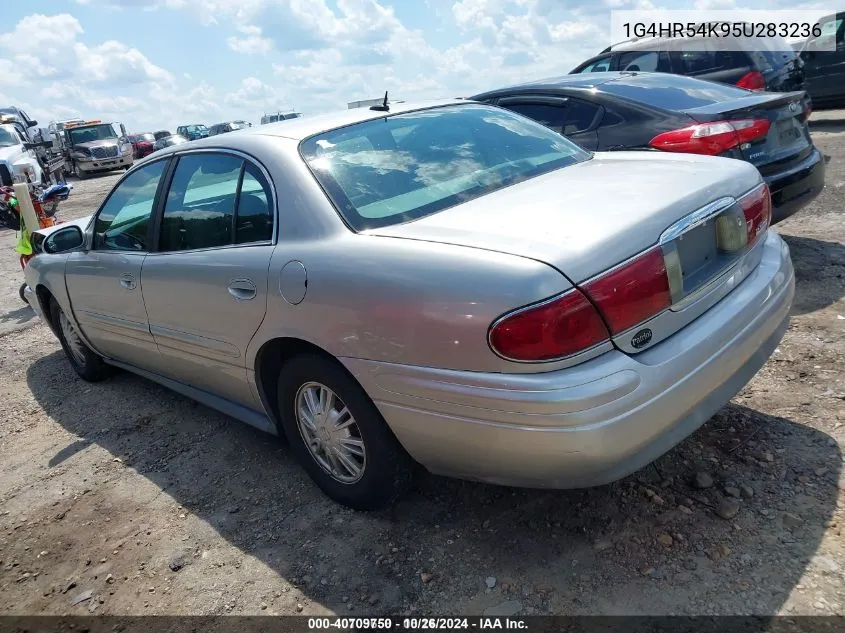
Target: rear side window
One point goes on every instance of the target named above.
(553, 117)
(254, 221)
(672, 92)
(647, 62)
(215, 200)
(580, 116)
(570, 118)
(832, 27)
(703, 56)
(598, 66)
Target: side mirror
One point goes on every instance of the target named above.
(64, 239)
(44, 144)
(31, 123)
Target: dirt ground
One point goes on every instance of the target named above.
(124, 498)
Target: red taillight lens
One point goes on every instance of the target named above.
(757, 207)
(711, 138)
(564, 326)
(632, 292)
(752, 81)
(751, 129)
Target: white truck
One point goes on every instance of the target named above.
(19, 155)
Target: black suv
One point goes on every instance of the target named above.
(776, 69)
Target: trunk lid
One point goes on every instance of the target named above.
(788, 138)
(594, 221)
(588, 217)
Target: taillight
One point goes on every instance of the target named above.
(752, 81)
(757, 208)
(711, 138)
(554, 329)
(633, 292)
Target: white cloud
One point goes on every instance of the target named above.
(309, 54)
(42, 32)
(115, 63)
(252, 43)
(253, 95)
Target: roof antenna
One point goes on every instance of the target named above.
(383, 107)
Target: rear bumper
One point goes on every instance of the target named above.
(794, 188)
(32, 300)
(598, 421)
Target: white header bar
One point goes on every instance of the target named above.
(724, 29)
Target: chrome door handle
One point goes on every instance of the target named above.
(127, 281)
(242, 289)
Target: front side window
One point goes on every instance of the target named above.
(122, 223)
(443, 157)
(215, 200)
(7, 137)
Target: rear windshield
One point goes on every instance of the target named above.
(403, 167)
(672, 92)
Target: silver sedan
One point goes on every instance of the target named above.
(447, 284)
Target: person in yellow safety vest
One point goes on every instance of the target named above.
(24, 247)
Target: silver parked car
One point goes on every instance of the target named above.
(448, 284)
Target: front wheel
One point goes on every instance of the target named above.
(85, 361)
(339, 435)
(78, 172)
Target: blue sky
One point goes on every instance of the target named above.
(155, 64)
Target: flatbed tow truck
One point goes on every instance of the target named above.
(92, 146)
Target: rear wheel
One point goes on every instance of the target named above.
(339, 435)
(85, 361)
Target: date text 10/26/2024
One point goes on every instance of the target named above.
(417, 624)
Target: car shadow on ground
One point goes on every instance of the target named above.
(652, 543)
(21, 315)
(819, 273)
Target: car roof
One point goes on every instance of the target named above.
(305, 126)
(581, 80)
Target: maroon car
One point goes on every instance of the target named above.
(142, 144)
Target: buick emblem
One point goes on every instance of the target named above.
(794, 107)
(641, 338)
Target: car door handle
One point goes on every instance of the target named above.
(242, 289)
(127, 281)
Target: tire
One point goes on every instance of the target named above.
(11, 219)
(21, 293)
(386, 470)
(78, 172)
(85, 361)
